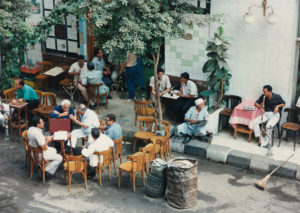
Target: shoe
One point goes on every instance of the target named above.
(91, 175)
(259, 144)
(186, 139)
(266, 146)
(109, 97)
(129, 101)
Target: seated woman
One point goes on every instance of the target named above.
(64, 110)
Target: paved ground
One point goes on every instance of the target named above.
(221, 188)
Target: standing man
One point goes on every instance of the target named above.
(130, 74)
(95, 77)
(164, 84)
(27, 93)
(98, 60)
(112, 129)
(188, 92)
(36, 139)
(270, 104)
(79, 69)
(195, 121)
(88, 120)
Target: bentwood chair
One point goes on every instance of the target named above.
(136, 164)
(149, 151)
(142, 108)
(104, 160)
(39, 94)
(48, 104)
(37, 157)
(292, 124)
(10, 94)
(117, 152)
(26, 146)
(231, 102)
(75, 164)
(93, 92)
(161, 146)
(144, 134)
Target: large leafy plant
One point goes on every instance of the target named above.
(217, 66)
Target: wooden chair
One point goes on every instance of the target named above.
(231, 102)
(145, 135)
(136, 164)
(39, 94)
(26, 146)
(161, 146)
(37, 157)
(93, 92)
(117, 151)
(107, 157)
(292, 124)
(149, 150)
(142, 108)
(48, 104)
(10, 94)
(45, 66)
(75, 164)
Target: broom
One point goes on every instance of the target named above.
(261, 184)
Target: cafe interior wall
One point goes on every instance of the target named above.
(260, 53)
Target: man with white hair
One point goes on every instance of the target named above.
(195, 121)
(64, 110)
(88, 120)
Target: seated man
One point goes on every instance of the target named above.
(107, 80)
(99, 144)
(95, 77)
(195, 121)
(27, 93)
(112, 129)
(4, 111)
(37, 139)
(88, 120)
(98, 60)
(64, 110)
(164, 84)
(188, 92)
(270, 104)
(79, 69)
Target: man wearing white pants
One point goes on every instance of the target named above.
(4, 111)
(88, 120)
(270, 103)
(36, 138)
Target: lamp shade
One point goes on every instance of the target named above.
(272, 19)
(249, 18)
(298, 102)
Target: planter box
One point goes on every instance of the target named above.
(213, 121)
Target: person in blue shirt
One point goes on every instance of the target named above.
(26, 93)
(112, 129)
(64, 110)
(98, 60)
(194, 121)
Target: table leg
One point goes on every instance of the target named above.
(26, 117)
(19, 121)
(10, 120)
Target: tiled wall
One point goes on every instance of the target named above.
(183, 55)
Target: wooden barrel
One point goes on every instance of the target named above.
(182, 184)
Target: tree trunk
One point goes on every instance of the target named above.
(221, 94)
(157, 97)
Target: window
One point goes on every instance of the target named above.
(203, 4)
(64, 38)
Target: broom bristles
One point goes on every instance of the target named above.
(261, 184)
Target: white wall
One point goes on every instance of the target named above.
(261, 53)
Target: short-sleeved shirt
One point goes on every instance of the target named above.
(190, 88)
(36, 137)
(163, 84)
(98, 63)
(114, 131)
(60, 110)
(272, 103)
(90, 118)
(76, 68)
(27, 93)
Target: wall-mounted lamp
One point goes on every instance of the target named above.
(272, 18)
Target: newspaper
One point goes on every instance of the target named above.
(60, 135)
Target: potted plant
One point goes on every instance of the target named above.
(217, 67)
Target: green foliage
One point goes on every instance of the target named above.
(217, 66)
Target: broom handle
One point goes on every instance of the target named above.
(284, 162)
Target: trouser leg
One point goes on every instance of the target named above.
(75, 134)
(256, 123)
(54, 158)
(83, 91)
(182, 129)
(130, 79)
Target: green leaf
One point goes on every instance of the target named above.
(207, 93)
(209, 66)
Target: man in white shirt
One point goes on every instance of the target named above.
(164, 84)
(99, 144)
(188, 92)
(88, 120)
(79, 69)
(36, 138)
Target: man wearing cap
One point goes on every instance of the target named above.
(194, 121)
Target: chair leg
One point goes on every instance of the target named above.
(120, 157)
(43, 174)
(134, 144)
(100, 175)
(235, 133)
(133, 181)
(143, 177)
(70, 180)
(280, 137)
(120, 173)
(106, 101)
(65, 174)
(114, 161)
(108, 171)
(135, 120)
(31, 168)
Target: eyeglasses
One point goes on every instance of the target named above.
(106, 120)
